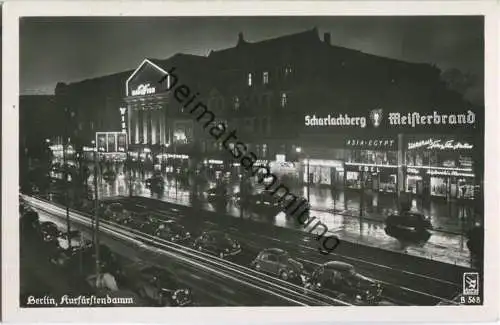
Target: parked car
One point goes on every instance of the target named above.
(342, 277)
(279, 263)
(218, 193)
(265, 201)
(159, 286)
(116, 212)
(76, 240)
(155, 183)
(173, 231)
(49, 231)
(409, 220)
(109, 175)
(29, 221)
(217, 243)
(475, 241)
(134, 221)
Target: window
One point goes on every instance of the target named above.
(272, 258)
(236, 103)
(265, 77)
(250, 79)
(288, 71)
(283, 99)
(264, 150)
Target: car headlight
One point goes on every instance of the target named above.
(186, 291)
(227, 249)
(318, 285)
(188, 234)
(174, 296)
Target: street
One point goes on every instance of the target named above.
(443, 246)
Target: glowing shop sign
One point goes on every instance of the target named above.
(370, 143)
(170, 155)
(123, 110)
(372, 169)
(440, 145)
(143, 89)
(215, 162)
(448, 173)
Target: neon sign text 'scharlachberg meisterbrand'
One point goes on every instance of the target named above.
(143, 89)
(434, 118)
(438, 144)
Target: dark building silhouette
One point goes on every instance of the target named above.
(266, 90)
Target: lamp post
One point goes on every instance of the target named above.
(66, 179)
(299, 151)
(96, 216)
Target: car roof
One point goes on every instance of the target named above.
(337, 265)
(277, 251)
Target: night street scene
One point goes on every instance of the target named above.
(251, 161)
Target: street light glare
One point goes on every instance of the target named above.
(298, 149)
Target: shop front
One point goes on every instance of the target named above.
(322, 172)
(371, 163)
(379, 178)
(441, 168)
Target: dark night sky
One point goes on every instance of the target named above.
(72, 49)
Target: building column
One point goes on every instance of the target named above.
(153, 119)
(129, 124)
(137, 116)
(145, 120)
(162, 126)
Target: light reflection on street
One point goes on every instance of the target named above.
(440, 246)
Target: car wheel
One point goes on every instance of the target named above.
(284, 275)
(221, 254)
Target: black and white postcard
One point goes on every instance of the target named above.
(215, 155)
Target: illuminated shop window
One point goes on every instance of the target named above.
(250, 79)
(236, 103)
(264, 150)
(284, 99)
(265, 77)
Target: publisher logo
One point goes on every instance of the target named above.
(470, 284)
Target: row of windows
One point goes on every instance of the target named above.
(265, 76)
(218, 103)
(283, 101)
(261, 150)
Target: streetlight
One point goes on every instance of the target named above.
(96, 213)
(299, 150)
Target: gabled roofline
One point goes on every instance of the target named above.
(139, 68)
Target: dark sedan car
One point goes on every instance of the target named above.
(160, 287)
(155, 183)
(217, 243)
(49, 231)
(116, 212)
(109, 175)
(173, 231)
(264, 201)
(343, 278)
(279, 263)
(409, 220)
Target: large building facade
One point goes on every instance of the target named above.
(322, 114)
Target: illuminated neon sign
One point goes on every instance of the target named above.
(440, 145)
(143, 89)
(123, 110)
(371, 143)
